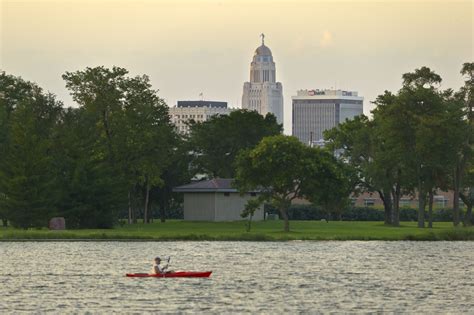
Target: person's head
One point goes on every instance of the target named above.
(157, 260)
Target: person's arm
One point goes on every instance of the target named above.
(157, 269)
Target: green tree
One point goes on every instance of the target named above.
(467, 194)
(407, 147)
(333, 184)
(149, 137)
(132, 123)
(29, 190)
(284, 169)
(217, 142)
(91, 194)
(251, 206)
(177, 173)
(362, 145)
(432, 122)
(391, 159)
(463, 179)
(12, 91)
(101, 91)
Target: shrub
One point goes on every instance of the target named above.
(312, 212)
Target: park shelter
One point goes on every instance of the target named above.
(215, 200)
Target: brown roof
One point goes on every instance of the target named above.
(216, 184)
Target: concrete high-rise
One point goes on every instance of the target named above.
(263, 94)
(315, 111)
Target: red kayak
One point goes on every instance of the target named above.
(178, 274)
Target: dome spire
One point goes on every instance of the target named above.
(263, 39)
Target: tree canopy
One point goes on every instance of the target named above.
(216, 143)
(28, 193)
(412, 145)
(284, 169)
(116, 154)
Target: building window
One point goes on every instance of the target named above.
(226, 194)
(441, 201)
(369, 202)
(253, 194)
(404, 202)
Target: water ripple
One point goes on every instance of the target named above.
(248, 277)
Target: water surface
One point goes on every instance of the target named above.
(248, 277)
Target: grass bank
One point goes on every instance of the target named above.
(261, 231)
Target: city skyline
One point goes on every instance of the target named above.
(205, 46)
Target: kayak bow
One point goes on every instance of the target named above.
(178, 274)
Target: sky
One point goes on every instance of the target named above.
(206, 46)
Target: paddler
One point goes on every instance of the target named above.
(159, 269)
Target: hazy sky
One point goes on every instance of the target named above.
(188, 47)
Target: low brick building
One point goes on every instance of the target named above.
(442, 199)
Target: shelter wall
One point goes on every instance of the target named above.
(199, 206)
(230, 206)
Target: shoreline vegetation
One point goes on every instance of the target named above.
(178, 230)
(118, 153)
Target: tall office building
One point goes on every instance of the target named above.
(263, 94)
(198, 111)
(315, 111)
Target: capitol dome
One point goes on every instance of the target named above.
(263, 51)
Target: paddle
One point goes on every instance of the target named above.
(166, 267)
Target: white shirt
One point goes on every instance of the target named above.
(158, 269)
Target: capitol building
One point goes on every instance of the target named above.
(263, 94)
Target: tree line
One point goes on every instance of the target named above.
(116, 154)
(419, 140)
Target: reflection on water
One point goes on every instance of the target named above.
(248, 277)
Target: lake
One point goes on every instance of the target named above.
(248, 277)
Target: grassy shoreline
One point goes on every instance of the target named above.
(177, 230)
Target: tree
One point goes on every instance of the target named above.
(91, 189)
(392, 155)
(433, 121)
(362, 146)
(251, 206)
(332, 185)
(467, 194)
(408, 145)
(132, 124)
(29, 190)
(420, 125)
(283, 169)
(463, 181)
(13, 90)
(149, 136)
(101, 91)
(217, 142)
(177, 173)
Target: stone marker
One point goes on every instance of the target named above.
(58, 223)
